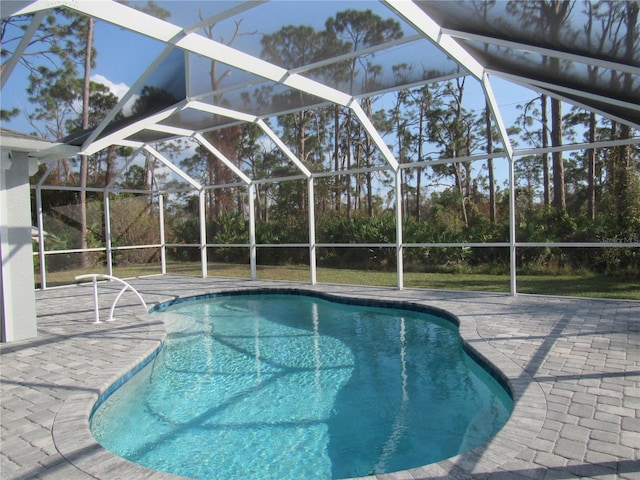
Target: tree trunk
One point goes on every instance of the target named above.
(546, 182)
(457, 169)
(555, 13)
(368, 152)
(357, 202)
(421, 121)
(492, 186)
(111, 165)
(591, 167)
(624, 195)
(84, 161)
(612, 159)
(559, 198)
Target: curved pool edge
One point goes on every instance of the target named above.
(74, 441)
(71, 431)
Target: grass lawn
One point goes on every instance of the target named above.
(583, 285)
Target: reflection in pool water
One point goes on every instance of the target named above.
(278, 386)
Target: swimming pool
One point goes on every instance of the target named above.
(297, 386)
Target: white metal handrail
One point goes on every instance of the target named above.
(94, 277)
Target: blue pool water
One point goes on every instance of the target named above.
(280, 386)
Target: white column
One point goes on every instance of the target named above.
(40, 220)
(107, 233)
(17, 292)
(203, 234)
(512, 228)
(163, 248)
(252, 231)
(399, 259)
(312, 230)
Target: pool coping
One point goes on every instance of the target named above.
(71, 433)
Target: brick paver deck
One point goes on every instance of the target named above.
(573, 366)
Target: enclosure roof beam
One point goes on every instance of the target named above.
(129, 143)
(127, 96)
(224, 112)
(137, 21)
(530, 82)
(171, 166)
(542, 51)
(36, 148)
(556, 91)
(231, 12)
(271, 134)
(418, 18)
(578, 146)
(11, 9)
(178, 132)
(495, 111)
(409, 86)
(119, 136)
(357, 53)
(10, 64)
(119, 173)
(371, 130)
(206, 144)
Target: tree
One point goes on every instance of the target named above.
(358, 30)
(55, 90)
(533, 127)
(88, 63)
(260, 163)
(492, 186)
(50, 54)
(559, 193)
(623, 188)
(224, 140)
(553, 15)
(544, 134)
(549, 18)
(456, 131)
(601, 22)
(101, 102)
(397, 120)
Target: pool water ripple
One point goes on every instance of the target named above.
(277, 386)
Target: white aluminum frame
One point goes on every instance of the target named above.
(191, 42)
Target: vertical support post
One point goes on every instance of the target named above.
(203, 233)
(163, 247)
(252, 231)
(504, 136)
(107, 233)
(512, 228)
(312, 230)
(40, 220)
(17, 295)
(95, 300)
(399, 252)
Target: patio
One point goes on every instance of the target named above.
(573, 366)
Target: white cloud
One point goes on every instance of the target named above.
(118, 89)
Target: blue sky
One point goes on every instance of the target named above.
(123, 56)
